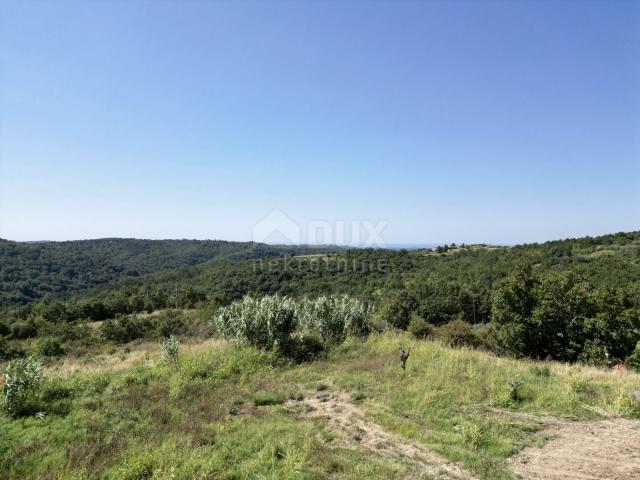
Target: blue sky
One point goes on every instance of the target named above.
(498, 122)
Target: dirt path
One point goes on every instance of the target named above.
(353, 428)
(605, 449)
(597, 450)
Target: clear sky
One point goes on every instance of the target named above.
(484, 121)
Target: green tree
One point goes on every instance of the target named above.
(512, 303)
(397, 308)
(558, 319)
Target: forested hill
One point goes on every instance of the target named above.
(574, 299)
(442, 286)
(31, 271)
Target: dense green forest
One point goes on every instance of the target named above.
(32, 271)
(574, 299)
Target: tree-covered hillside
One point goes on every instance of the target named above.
(574, 299)
(444, 285)
(31, 271)
(445, 281)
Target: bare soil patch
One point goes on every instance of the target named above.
(355, 430)
(597, 450)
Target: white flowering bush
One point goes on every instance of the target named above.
(333, 318)
(266, 322)
(169, 350)
(275, 322)
(21, 378)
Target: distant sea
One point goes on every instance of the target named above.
(397, 246)
(411, 246)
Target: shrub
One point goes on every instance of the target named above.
(4, 348)
(473, 435)
(263, 398)
(397, 309)
(333, 318)
(57, 396)
(514, 389)
(304, 348)
(51, 347)
(169, 350)
(457, 333)
(378, 324)
(266, 323)
(7, 352)
(124, 328)
(419, 328)
(67, 331)
(583, 386)
(23, 329)
(633, 360)
(301, 331)
(21, 378)
(170, 323)
(56, 390)
(594, 354)
(4, 329)
(487, 339)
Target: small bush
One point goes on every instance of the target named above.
(304, 348)
(583, 387)
(473, 435)
(298, 330)
(419, 328)
(169, 350)
(51, 347)
(23, 330)
(396, 309)
(266, 323)
(56, 390)
(378, 324)
(4, 348)
(594, 354)
(486, 337)
(332, 318)
(171, 323)
(261, 399)
(457, 333)
(7, 352)
(124, 328)
(515, 384)
(57, 396)
(21, 378)
(66, 331)
(633, 360)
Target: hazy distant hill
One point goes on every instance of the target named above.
(31, 270)
(448, 285)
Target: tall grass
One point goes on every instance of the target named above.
(219, 414)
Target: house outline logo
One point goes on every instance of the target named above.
(276, 224)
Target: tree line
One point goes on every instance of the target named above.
(575, 299)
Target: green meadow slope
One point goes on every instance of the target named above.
(234, 412)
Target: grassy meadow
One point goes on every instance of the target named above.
(223, 411)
